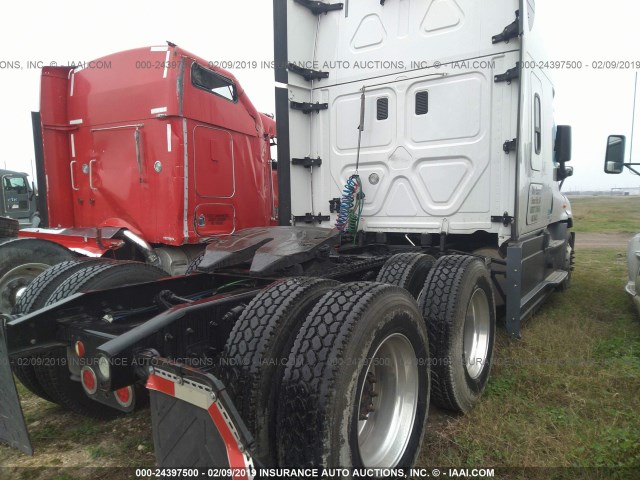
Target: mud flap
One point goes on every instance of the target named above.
(195, 423)
(13, 429)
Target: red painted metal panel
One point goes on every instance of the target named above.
(160, 384)
(57, 154)
(214, 162)
(114, 138)
(235, 456)
(126, 87)
(84, 244)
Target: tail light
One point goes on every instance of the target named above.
(124, 396)
(79, 347)
(89, 380)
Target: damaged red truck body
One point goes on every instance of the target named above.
(142, 155)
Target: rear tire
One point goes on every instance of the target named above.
(360, 339)
(33, 298)
(459, 309)
(407, 270)
(23, 259)
(256, 352)
(55, 376)
(38, 292)
(106, 275)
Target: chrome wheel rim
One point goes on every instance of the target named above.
(477, 330)
(387, 403)
(15, 282)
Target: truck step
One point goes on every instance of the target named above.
(553, 279)
(553, 244)
(556, 277)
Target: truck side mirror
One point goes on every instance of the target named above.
(563, 144)
(614, 159)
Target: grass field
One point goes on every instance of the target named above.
(566, 395)
(606, 214)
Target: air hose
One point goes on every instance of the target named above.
(351, 205)
(352, 199)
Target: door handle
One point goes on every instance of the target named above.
(73, 180)
(91, 175)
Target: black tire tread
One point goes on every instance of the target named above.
(442, 284)
(261, 337)
(81, 280)
(310, 374)
(401, 270)
(54, 378)
(25, 372)
(38, 291)
(32, 299)
(69, 394)
(20, 251)
(75, 282)
(566, 283)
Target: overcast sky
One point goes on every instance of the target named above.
(595, 102)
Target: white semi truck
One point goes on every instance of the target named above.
(419, 171)
(464, 151)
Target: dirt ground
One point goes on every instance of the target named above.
(601, 240)
(68, 446)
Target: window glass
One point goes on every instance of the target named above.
(16, 193)
(212, 82)
(537, 124)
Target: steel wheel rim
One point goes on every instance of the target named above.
(15, 281)
(384, 435)
(477, 329)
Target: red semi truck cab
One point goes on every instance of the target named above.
(157, 141)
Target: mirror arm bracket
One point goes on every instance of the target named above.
(630, 167)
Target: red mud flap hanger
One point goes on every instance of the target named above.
(13, 429)
(195, 423)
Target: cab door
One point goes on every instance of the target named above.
(535, 142)
(16, 196)
(539, 191)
